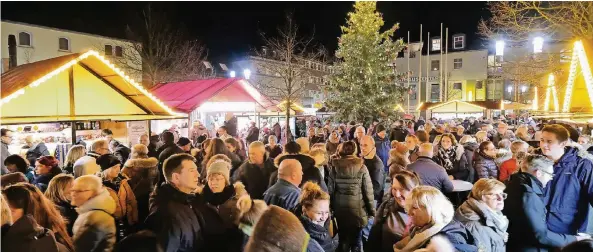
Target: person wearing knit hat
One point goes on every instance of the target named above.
(279, 230)
(382, 143)
(218, 168)
(185, 144)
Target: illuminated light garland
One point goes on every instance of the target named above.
(534, 103)
(551, 91)
(400, 108)
(420, 105)
(579, 57)
(85, 55)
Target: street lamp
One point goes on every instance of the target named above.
(538, 44)
(247, 73)
(233, 74)
(499, 47)
(523, 89)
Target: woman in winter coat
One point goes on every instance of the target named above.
(332, 143)
(221, 232)
(16, 163)
(451, 156)
(481, 215)
(46, 168)
(126, 211)
(26, 199)
(58, 193)
(313, 212)
(469, 146)
(430, 212)
(351, 192)
(142, 173)
(398, 159)
(484, 161)
(392, 222)
(75, 152)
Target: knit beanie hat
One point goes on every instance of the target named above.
(107, 161)
(278, 230)
(220, 167)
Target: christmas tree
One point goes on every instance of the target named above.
(364, 83)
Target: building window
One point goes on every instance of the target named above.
(457, 85)
(412, 55)
(479, 85)
(119, 52)
(457, 63)
(108, 50)
(25, 39)
(458, 42)
(64, 44)
(435, 64)
(435, 93)
(412, 92)
(436, 44)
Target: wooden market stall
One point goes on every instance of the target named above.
(459, 109)
(74, 96)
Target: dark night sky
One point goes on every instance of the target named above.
(230, 29)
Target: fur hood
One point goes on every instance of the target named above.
(396, 157)
(139, 163)
(350, 162)
(102, 201)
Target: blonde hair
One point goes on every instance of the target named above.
(98, 144)
(5, 216)
(517, 145)
(304, 143)
(481, 136)
(57, 186)
(467, 139)
(436, 204)
(318, 146)
(320, 156)
(532, 163)
(310, 193)
(522, 132)
(74, 153)
(485, 186)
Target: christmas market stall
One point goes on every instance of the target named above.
(71, 98)
(459, 109)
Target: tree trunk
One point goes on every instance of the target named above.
(288, 105)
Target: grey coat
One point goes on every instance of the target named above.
(94, 229)
(351, 192)
(481, 223)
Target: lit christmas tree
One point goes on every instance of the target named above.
(364, 83)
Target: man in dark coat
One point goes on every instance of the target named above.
(429, 172)
(569, 195)
(525, 209)
(255, 174)
(253, 134)
(399, 132)
(472, 127)
(120, 151)
(168, 149)
(375, 166)
(175, 209)
(285, 193)
(310, 172)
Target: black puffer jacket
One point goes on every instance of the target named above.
(164, 152)
(351, 192)
(255, 179)
(26, 235)
(176, 218)
(310, 172)
(470, 149)
(122, 153)
(69, 213)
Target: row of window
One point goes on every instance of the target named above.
(435, 93)
(436, 64)
(25, 39)
(318, 66)
(458, 43)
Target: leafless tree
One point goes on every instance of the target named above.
(284, 61)
(161, 53)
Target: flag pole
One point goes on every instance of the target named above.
(441, 86)
(428, 67)
(408, 73)
(420, 69)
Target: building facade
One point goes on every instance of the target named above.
(27, 43)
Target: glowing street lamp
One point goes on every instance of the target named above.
(499, 48)
(538, 44)
(510, 89)
(233, 74)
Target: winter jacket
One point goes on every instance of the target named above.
(142, 174)
(507, 168)
(383, 147)
(176, 218)
(69, 213)
(195, 133)
(432, 135)
(431, 174)
(256, 179)
(94, 229)
(310, 172)
(221, 217)
(377, 173)
(526, 211)
(252, 135)
(42, 181)
(351, 192)
(482, 225)
(570, 193)
(36, 152)
(122, 153)
(498, 137)
(469, 151)
(460, 170)
(164, 152)
(3, 155)
(459, 236)
(472, 129)
(414, 154)
(398, 133)
(26, 235)
(273, 152)
(319, 233)
(282, 194)
(485, 166)
(126, 206)
(390, 226)
(397, 162)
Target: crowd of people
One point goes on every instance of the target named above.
(342, 187)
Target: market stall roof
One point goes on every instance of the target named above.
(186, 96)
(76, 87)
(455, 105)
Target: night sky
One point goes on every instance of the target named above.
(230, 29)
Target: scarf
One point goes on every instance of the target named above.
(418, 238)
(217, 199)
(493, 219)
(446, 157)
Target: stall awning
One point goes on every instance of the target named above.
(457, 106)
(186, 96)
(76, 87)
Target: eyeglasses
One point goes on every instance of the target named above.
(499, 195)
